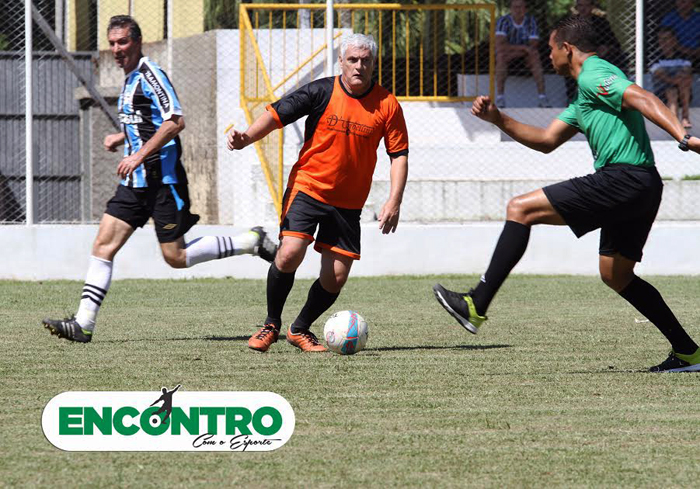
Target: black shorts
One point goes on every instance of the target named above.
(168, 205)
(620, 199)
(338, 229)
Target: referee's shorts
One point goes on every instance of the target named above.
(622, 200)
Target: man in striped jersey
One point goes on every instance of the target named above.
(154, 184)
(517, 36)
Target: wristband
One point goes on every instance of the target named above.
(683, 145)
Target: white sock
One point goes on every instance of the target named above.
(99, 276)
(542, 95)
(209, 248)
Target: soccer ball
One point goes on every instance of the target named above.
(345, 332)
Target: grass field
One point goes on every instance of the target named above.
(552, 393)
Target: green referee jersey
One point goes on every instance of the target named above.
(616, 135)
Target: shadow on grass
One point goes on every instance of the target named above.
(187, 338)
(433, 347)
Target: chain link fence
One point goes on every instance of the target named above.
(228, 63)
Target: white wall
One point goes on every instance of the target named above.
(61, 252)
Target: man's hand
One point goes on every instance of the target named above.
(485, 110)
(236, 140)
(113, 141)
(128, 165)
(389, 217)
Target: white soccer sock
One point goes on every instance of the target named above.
(99, 276)
(209, 248)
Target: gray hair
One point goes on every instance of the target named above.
(358, 41)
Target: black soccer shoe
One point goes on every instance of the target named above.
(676, 364)
(69, 329)
(264, 248)
(460, 306)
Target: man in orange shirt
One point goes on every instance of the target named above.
(348, 115)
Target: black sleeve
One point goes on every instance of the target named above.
(306, 100)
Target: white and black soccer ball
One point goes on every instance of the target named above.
(346, 332)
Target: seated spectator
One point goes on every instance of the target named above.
(685, 22)
(609, 48)
(517, 37)
(673, 76)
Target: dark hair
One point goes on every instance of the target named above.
(578, 32)
(124, 21)
(666, 29)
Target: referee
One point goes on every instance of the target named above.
(621, 198)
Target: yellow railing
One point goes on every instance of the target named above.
(421, 49)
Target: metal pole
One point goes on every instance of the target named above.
(639, 44)
(59, 18)
(329, 38)
(169, 23)
(29, 136)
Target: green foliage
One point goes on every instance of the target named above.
(551, 393)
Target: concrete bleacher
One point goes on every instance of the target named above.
(521, 91)
(464, 169)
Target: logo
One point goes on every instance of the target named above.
(185, 421)
(603, 88)
(348, 127)
(158, 89)
(169, 226)
(131, 118)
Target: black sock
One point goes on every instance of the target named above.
(317, 302)
(509, 249)
(279, 284)
(648, 301)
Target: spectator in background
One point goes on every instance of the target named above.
(685, 22)
(672, 76)
(517, 37)
(609, 48)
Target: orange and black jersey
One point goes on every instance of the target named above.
(342, 134)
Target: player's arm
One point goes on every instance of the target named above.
(165, 133)
(113, 141)
(655, 110)
(389, 215)
(262, 126)
(540, 139)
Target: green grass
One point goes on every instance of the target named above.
(551, 393)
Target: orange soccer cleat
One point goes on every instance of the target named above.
(263, 339)
(305, 341)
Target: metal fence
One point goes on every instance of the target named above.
(435, 58)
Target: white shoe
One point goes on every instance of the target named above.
(544, 102)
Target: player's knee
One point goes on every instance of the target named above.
(517, 211)
(616, 280)
(104, 249)
(176, 260)
(288, 259)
